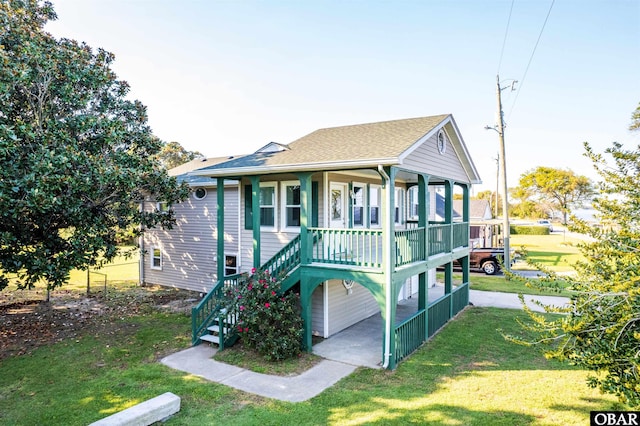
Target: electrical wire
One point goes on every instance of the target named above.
(531, 58)
(506, 32)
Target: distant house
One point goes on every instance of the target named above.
(346, 215)
(479, 210)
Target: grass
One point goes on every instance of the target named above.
(501, 284)
(243, 357)
(555, 251)
(467, 374)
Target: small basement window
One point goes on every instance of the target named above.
(230, 264)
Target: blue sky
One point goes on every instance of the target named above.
(227, 77)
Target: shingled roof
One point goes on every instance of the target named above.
(354, 146)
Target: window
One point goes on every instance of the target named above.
(230, 264)
(199, 193)
(398, 215)
(267, 200)
(358, 202)
(156, 258)
(268, 205)
(412, 195)
(163, 206)
(442, 142)
(291, 204)
(374, 205)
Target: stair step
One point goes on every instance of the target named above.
(210, 338)
(215, 328)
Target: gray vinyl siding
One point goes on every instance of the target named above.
(272, 241)
(189, 249)
(426, 158)
(348, 309)
(317, 312)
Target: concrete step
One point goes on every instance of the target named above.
(210, 338)
(215, 328)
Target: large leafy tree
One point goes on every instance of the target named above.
(600, 328)
(76, 157)
(173, 154)
(561, 189)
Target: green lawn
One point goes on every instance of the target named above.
(467, 374)
(555, 251)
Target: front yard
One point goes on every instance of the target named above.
(467, 374)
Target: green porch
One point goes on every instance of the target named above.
(381, 260)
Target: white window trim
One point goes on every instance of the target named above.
(237, 263)
(163, 206)
(195, 197)
(378, 188)
(365, 204)
(283, 206)
(410, 205)
(273, 185)
(399, 200)
(153, 257)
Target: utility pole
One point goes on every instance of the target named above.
(495, 205)
(503, 173)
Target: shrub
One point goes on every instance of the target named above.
(529, 230)
(269, 321)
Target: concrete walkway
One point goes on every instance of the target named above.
(359, 345)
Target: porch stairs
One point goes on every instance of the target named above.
(214, 319)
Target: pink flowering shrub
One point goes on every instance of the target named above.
(269, 322)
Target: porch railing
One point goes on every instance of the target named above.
(215, 304)
(410, 246)
(439, 239)
(285, 260)
(460, 234)
(356, 247)
(410, 334)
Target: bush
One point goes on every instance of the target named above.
(269, 322)
(529, 230)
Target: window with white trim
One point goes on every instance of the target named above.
(230, 264)
(200, 193)
(163, 206)
(268, 205)
(414, 203)
(398, 215)
(358, 201)
(291, 204)
(374, 205)
(156, 258)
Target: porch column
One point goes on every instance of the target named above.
(465, 218)
(423, 222)
(220, 227)
(255, 213)
(389, 263)
(448, 269)
(305, 215)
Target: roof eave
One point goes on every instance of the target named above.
(284, 168)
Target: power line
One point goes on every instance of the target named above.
(506, 32)
(531, 58)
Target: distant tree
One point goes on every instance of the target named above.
(562, 189)
(173, 154)
(600, 328)
(635, 119)
(76, 157)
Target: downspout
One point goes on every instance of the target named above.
(141, 248)
(387, 272)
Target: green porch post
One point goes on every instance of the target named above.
(448, 212)
(220, 227)
(305, 216)
(465, 218)
(255, 213)
(305, 290)
(423, 222)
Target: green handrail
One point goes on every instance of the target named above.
(214, 304)
(285, 260)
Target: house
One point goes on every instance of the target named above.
(345, 214)
(479, 210)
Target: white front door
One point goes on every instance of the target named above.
(338, 205)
